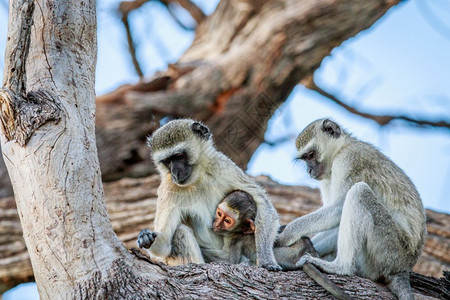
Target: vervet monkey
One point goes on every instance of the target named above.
(372, 214)
(234, 219)
(195, 176)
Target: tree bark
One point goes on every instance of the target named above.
(243, 64)
(131, 207)
(48, 143)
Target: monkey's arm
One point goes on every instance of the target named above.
(236, 251)
(167, 220)
(215, 255)
(267, 225)
(326, 217)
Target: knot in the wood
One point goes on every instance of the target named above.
(21, 116)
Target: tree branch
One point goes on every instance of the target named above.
(174, 16)
(382, 120)
(125, 8)
(197, 14)
(131, 204)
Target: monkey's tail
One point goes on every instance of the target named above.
(325, 282)
(400, 286)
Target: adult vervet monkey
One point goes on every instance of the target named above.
(372, 214)
(195, 176)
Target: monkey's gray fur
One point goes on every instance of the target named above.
(195, 176)
(372, 221)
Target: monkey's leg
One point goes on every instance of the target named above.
(357, 222)
(287, 256)
(325, 242)
(185, 248)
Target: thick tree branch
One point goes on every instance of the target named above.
(382, 120)
(131, 206)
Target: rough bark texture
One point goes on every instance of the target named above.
(245, 60)
(49, 76)
(131, 206)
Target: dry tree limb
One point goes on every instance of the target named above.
(382, 120)
(197, 14)
(131, 206)
(125, 7)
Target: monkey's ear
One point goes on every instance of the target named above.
(201, 130)
(249, 227)
(331, 128)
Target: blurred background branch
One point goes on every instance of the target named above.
(381, 120)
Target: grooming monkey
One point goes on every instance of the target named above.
(195, 176)
(372, 218)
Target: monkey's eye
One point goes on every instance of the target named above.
(219, 214)
(179, 156)
(166, 162)
(309, 156)
(228, 221)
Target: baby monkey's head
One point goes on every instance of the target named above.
(235, 214)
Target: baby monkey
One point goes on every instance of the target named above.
(235, 220)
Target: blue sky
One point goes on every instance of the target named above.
(400, 65)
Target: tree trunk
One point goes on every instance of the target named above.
(245, 60)
(48, 142)
(131, 206)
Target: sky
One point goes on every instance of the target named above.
(401, 65)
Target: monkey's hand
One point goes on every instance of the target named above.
(303, 260)
(271, 266)
(146, 238)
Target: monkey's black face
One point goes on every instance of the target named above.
(315, 168)
(179, 167)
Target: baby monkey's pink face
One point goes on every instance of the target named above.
(225, 218)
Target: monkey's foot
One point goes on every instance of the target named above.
(271, 267)
(307, 258)
(146, 238)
